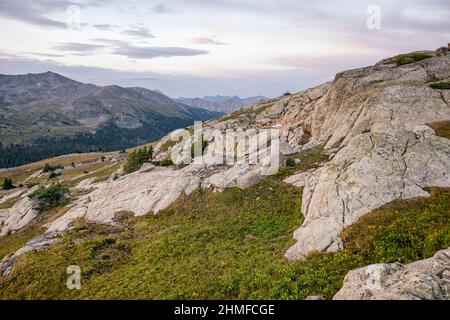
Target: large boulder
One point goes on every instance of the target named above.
(375, 118)
(372, 170)
(373, 122)
(422, 280)
(20, 214)
(139, 192)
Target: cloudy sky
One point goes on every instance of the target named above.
(206, 47)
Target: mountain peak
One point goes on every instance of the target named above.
(51, 102)
(43, 80)
(220, 103)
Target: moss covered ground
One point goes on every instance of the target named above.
(226, 245)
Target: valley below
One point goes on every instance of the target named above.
(46, 115)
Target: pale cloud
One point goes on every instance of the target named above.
(161, 8)
(36, 12)
(80, 48)
(297, 43)
(29, 13)
(106, 27)
(73, 46)
(204, 40)
(141, 32)
(45, 55)
(122, 48)
(269, 84)
(155, 52)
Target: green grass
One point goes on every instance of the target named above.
(100, 174)
(167, 162)
(442, 128)
(226, 245)
(246, 112)
(137, 158)
(9, 203)
(407, 58)
(167, 145)
(309, 159)
(50, 197)
(14, 241)
(403, 231)
(16, 179)
(445, 85)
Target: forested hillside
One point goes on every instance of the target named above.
(45, 115)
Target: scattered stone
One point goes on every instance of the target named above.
(397, 157)
(299, 180)
(427, 279)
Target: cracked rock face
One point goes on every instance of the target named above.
(39, 243)
(372, 170)
(140, 192)
(372, 121)
(20, 214)
(148, 190)
(422, 280)
(385, 150)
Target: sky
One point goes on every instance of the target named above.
(194, 48)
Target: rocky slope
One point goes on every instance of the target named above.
(374, 125)
(47, 108)
(427, 279)
(218, 103)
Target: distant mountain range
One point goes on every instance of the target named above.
(46, 114)
(219, 103)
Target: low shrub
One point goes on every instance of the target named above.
(48, 168)
(31, 183)
(445, 85)
(7, 184)
(50, 197)
(137, 158)
(163, 163)
(54, 175)
(290, 162)
(403, 59)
